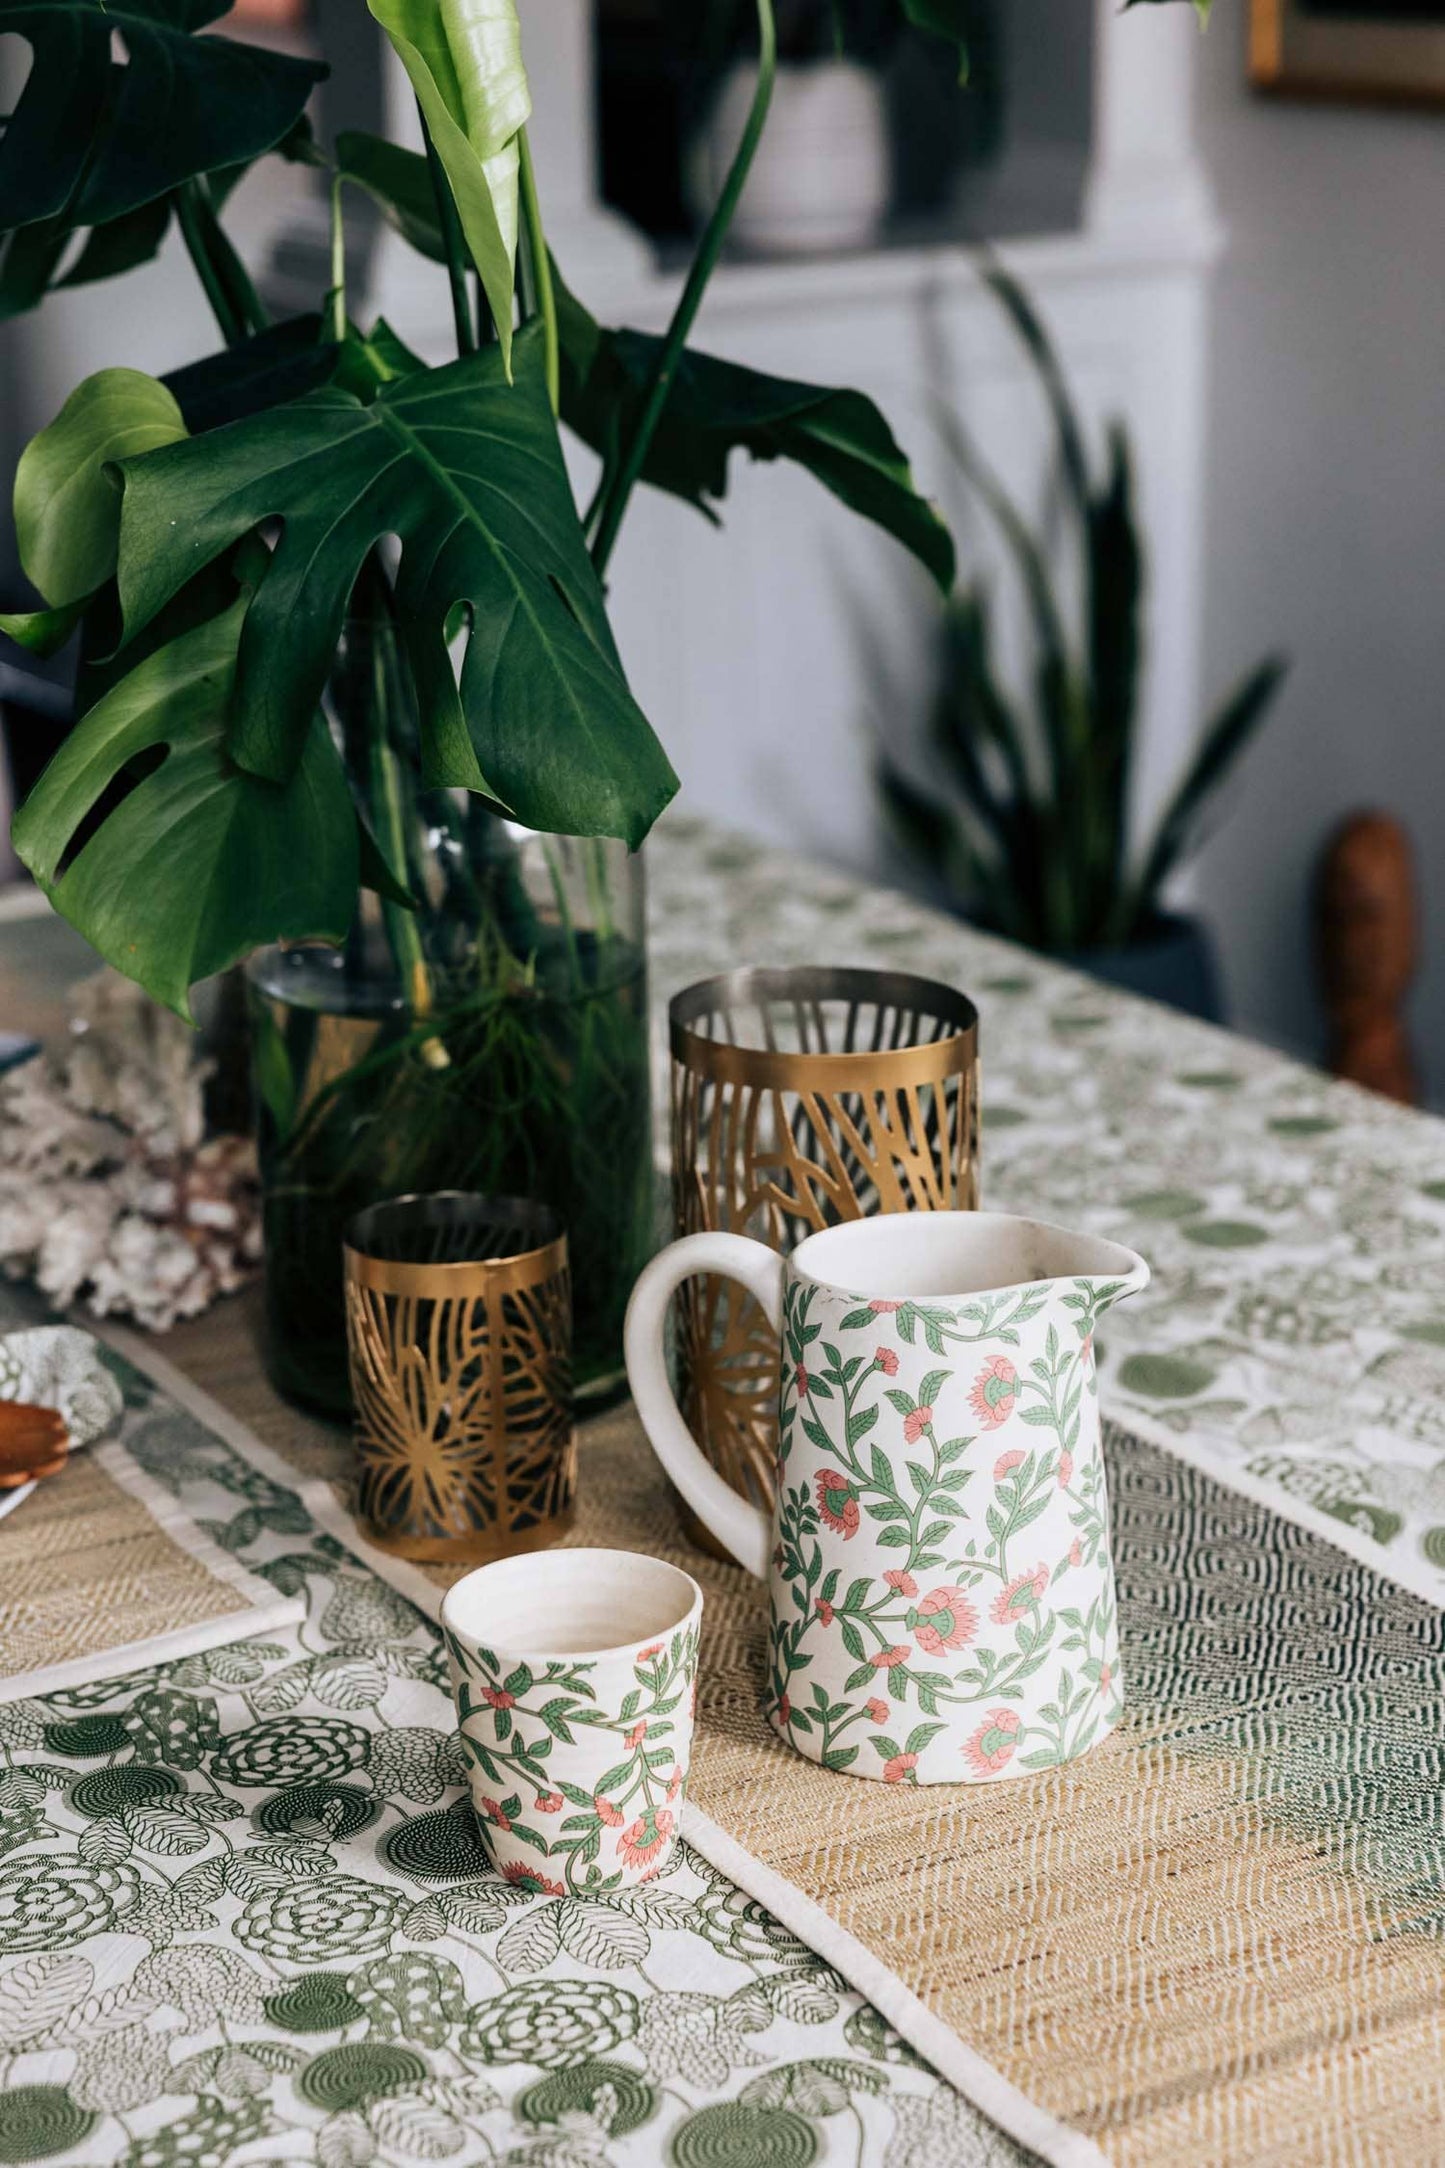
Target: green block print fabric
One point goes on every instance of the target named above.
(1293, 1337)
(245, 1916)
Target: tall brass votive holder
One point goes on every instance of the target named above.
(459, 1337)
(801, 1098)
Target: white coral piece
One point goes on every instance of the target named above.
(108, 1193)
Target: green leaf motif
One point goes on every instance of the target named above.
(717, 407)
(464, 59)
(67, 503)
(91, 140)
(469, 474)
(263, 862)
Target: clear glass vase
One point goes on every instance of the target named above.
(494, 1039)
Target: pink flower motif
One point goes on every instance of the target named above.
(640, 1844)
(1106, 1677)
(884, 1309)
(1076, 1553)
(498, 1697)
(992, 1745)
(994, 1391)
(825, 1612)
(645, 1656)
(637, 1734)
(674, 1784)
(609, 1814)
(944, 1620)
(785, 1710)
(896, 1770)
(916, 1423)
(492, 1812)
(1086, 1352)
(801, 1380)
(879, 1710)
(1065, 1469)
(886, 1360)
(903, 1582)
(521, 1876)
(1020, 1596)
(1007, 1462)
(550, 1802)
(886, 1659)
(837, 1502)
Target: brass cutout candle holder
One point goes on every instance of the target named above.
(801, 1098)
(459, 1335)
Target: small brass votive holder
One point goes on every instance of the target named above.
(801, 1098)
(459, 1338)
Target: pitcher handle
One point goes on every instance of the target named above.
(745, 1530)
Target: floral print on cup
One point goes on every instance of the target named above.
(578, 1769)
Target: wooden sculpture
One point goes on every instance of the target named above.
(1366, 947)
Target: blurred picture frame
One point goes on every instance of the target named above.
(1363, 52)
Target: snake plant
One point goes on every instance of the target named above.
(1019, 805)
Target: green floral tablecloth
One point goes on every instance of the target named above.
(1293, 1340)
(245, 1916)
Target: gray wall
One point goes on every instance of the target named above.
(1326, 513)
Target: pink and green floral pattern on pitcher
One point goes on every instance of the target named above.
(971, 1575)
(941, 1590)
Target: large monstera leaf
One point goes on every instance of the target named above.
(717, 407)
(467, 473)
(464, 61)
(199, 863)
(91, 140)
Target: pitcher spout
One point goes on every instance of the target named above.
(1098, 1290)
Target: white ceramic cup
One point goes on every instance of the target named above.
(941, 1586)
(574, 1674)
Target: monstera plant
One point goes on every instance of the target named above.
(348, 704)
(347, 701)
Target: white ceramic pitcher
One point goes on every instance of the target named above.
(942, 1592)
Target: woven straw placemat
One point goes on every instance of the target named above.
(86, 1568)
(1219, 1937)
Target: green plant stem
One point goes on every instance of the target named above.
(235, 303)
(189, 219)
(486, 322)
(690, 301)
(541, 270)
(402, 932)
(336, 298)
(454, 244)
(253, 311)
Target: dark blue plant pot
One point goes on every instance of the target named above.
(1174, 963)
